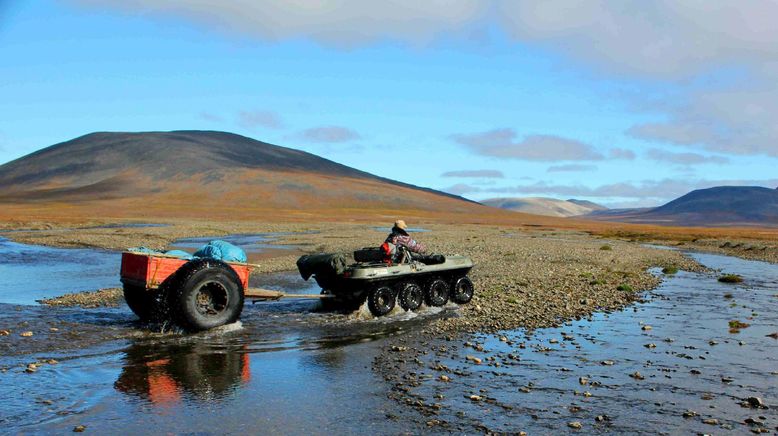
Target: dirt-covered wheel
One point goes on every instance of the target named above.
(208, 293)
(381, 300)
(437, 293)
(150, 305)
(139, 300)
(463, 291)
(330, 302)
(411, 296)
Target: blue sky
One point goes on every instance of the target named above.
(484, 99)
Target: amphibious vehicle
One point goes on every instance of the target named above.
(413, 280)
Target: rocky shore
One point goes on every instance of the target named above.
(523, 278)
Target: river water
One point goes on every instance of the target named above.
(288, 367)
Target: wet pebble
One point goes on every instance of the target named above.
(637, 375)
(575, 425)
(79, 428)
(4, 332)
(473, 359)
(26, 334)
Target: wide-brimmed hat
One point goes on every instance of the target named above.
(400, 224)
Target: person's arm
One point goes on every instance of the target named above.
(410, 244)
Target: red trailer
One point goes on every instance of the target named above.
(197, 294)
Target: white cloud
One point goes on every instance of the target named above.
(486, 174)
(570, 168)
(684, 158)
(645, 191)
(260, 118)
(502, 143)
(621, 153)
(662, 38)
(329, 134)
(668, 42)
(345, 23)
(208, 116)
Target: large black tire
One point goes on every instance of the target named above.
(411, 296)
(139, 300)
(463, 291)
(437, 293)
(150, 305)
(340, 303)
(207, 293)
(381, 300)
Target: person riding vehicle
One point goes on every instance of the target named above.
(399, 237)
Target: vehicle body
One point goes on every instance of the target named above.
(411, 281)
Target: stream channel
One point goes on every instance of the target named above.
(289, 367)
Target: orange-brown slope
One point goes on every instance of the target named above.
(203, 175)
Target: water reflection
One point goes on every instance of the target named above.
(170, 374)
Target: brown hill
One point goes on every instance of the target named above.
(200, 173)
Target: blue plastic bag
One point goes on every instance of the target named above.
(181, 254)
(222, 250)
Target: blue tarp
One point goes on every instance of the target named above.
(223, 251)
(219, 250)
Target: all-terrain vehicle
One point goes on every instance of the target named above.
(411, 281)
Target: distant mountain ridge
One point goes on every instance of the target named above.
(717, 206)
(545, 206)
(202, 170)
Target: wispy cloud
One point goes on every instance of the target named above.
(260, 118)
(644, 191)
(208, 116)
(484, 174)
(684, 158)
(329, 134)
(502, 143)
(621, 153)
(570, 168)
(340, 23)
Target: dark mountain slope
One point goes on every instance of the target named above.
(718, 206)
(163, 156)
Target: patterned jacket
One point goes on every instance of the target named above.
(400, 238)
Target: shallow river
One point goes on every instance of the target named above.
(289, 368)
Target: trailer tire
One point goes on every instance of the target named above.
(139, 300)
(411, 296)
(207, 293)
(437, 293)
(381, 300)
(463, 291)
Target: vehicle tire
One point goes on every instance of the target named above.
(437, 293)
(208, 293)
(411, 296)
(139, 300)
(381, 300)
(330, 303)
(463, 291)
